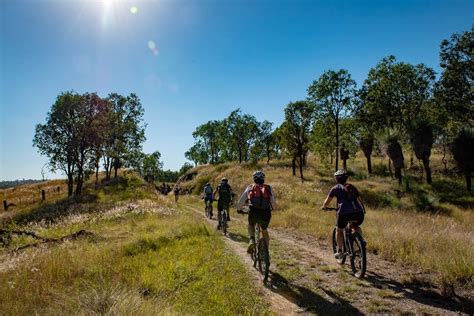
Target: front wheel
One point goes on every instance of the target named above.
(359, 256)
(334, 247)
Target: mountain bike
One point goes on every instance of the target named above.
(223, 221)
(208, 210)
(354, 247)
(260, 255)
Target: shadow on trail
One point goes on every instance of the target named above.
(422, 293)
(238, 237)
(308, 300)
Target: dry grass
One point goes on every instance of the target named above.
(435, 235)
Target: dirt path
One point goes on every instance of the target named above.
(305, 279)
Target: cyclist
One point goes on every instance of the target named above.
(176, 192)
(261, 199)
(224, 192)
(208, 196)
(349, 207)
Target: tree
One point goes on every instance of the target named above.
(58, 137)
(395, 153)
(396, 95)
(333, 96)
(242, 131)
(422, 138)
(127, 131)
(197, 153)
(71, 134)
(295, 132)
(152, 167)
(463, 152)
(454, 89)
(207, 135)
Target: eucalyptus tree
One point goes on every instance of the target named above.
(295, 132)
(333, 96)
(397, 95)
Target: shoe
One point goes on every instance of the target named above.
(251, 246)
(339, 255)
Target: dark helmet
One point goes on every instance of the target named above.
(224, 180)
(341, 174)
(258, 176)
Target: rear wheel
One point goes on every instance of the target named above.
(334, 247)
(224, 223)
(359, 257)
(263, 259)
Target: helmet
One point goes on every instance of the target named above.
(224, 180)
(258, 175)
(340, 174)
(208, 184)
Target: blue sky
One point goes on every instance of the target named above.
(211, 57)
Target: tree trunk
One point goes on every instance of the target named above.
(398, 175)
(97, 173)
(426, 164)
(293, 165)
(468, 180)
(369, 164)
(70, 184)
(337, 144)
(344, 164)
(444, 160)
(301, 168)
(390, 168)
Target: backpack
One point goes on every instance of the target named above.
(259, 196)
(224, 192)
(350, 196)
(208, 190)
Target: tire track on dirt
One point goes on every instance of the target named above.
(322, 286)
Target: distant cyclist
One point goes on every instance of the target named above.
(349, 207)
(208, 196)
(176, 192)
(261, 199)
(223, 194)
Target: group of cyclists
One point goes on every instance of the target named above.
(260, 198)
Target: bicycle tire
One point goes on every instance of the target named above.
(334, 247)
(264, 259)
(224, 222)
(255, 249)
(358, 256)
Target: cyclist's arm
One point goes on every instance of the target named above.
(326, 202)
(242, 199)
(272, 199)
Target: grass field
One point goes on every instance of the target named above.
(141, 255)
(425, 226)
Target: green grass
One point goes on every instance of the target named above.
(144, 257)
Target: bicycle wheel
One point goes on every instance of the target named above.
(255, 249)
(263, 259)
(224, 222)
(359, 256)
(334, 247)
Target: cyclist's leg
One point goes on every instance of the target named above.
(219, 210)
(251, 229)
(264, 220)
(341, 222)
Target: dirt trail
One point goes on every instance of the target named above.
(305, 279)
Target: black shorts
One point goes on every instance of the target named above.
(260, 216)
(222, 205)
(208, 199)
(342, 219)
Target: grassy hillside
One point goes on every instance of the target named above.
(423, 226)
(136, 254)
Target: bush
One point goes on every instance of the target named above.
(200, 183)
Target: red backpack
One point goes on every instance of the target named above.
(259, 196)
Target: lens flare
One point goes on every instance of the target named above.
(133, 10)
(152, 47)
